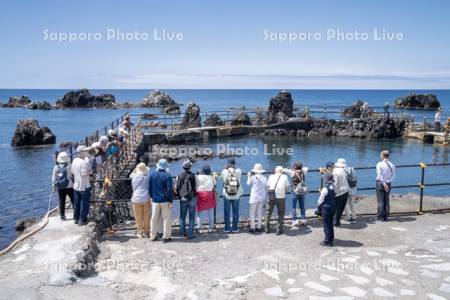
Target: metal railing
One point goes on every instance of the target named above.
(122, 191)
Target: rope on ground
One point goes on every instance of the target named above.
(41, 226)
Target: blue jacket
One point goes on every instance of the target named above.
(160, 186)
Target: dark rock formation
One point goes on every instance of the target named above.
(241, 119)
(427, 101)
(356, 110)
(83, 98)
(281, 108)
(40, 105)
(191, 117)
(214, 120)
(24, 223)
(357, 128)
(148, 116)
(28, 133)
(66, 144)
(158, 98)
(18, 101)
(171, 110)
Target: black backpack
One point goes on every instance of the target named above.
(351, 177)
(62, 176)
(186, 185)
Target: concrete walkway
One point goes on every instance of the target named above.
(406, 257)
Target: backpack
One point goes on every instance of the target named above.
(185, 188)
(62, 178)
(231, 183)
(300, 189)
(351, 178)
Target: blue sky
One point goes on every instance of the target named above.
(224, 45)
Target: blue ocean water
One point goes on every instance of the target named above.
(25, 176)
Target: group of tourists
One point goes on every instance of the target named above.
(154, 192)
(72, 178)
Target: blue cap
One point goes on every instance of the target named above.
(162, 164)
(330, 164)
(206, 170)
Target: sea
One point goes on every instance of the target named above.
(25, 180)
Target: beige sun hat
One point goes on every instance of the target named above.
(279, 169)
(63, 158)
(341, 163)
(258, 168)
(141, 168)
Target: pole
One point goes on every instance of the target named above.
(422, 187)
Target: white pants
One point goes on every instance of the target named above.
(161, 217)
(256, 212)
(350, 207)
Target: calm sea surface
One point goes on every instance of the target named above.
(25, 173)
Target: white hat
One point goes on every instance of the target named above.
(142, 169)
(111, 132)
(279, 169)
(341, 163)
(81, 148)
(103, 140)
(63, 158)
(258, 168)
(92, 151)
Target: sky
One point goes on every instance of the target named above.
(225, 44)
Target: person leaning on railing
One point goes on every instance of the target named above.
(277, 187)
(258, 196)
(385, 176)
(299, 191)
(141, 200)
(160, 188)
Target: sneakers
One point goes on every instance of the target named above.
(63, 218)
(139, 235)
(235, 231)
(166, 240)
(251, 230)
(210, 230)
(227, 231)
(295, 223)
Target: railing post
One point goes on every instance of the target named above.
(424, 123)
(325, 111)
(422, 187)
(71, 153)
(56, 156)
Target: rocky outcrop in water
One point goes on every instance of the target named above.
(171, 110)
(281, 108)
(24, 223)
(356, 128)
(427, 101)
(158, 98)
(214, 120)
(40, 105)
(83, 98)
(28, 133)
(241, 119)
(192, 118)
(357, 109)
(18, 101)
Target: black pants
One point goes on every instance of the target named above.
(328, 228)
(383, 201)
(437, 126)
(62, 194)
(281, 207)
(341, 202)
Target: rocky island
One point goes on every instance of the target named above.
(29, 133)
(425, 101)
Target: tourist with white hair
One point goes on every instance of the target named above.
(385, 176)
(141, 200)
(81, 170)
(341, 188)
(258, 196)
(62, 181)
(277, 185)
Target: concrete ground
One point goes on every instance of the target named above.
(407, 257)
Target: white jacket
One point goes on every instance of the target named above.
(340, 181)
